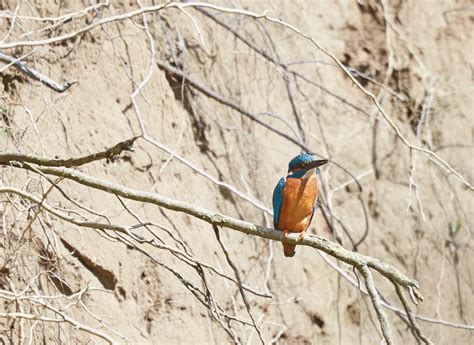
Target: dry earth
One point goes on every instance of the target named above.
(415, 56)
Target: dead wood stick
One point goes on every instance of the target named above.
(32, 73)
(110, 153)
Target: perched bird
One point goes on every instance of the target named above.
(295, 198)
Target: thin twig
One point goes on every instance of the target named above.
(377, 303)
(417, 331)
(219, 98)
(391, 307)
(239, 285)
(32, 73)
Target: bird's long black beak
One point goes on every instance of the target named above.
(316, 163)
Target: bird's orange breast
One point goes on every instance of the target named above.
(299, 196)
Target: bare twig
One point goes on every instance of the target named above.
(62, 317)
(219, 98)
(109, 154)
(62, 19)
(416, 329)
(32, 73)
(377, 303)
(286, 66)
(239, 285)
(391, 307)
(40, 202)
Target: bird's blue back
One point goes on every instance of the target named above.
(278, 201)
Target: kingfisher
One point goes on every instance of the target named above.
(295, 198)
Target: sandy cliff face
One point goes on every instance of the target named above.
(213, 132)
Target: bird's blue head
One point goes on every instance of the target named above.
(302, 163)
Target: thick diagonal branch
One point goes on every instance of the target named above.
(360, 261)
(331, 248)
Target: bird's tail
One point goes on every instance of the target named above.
(289, 249)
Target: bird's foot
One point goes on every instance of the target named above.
(302, 235)
(286, 232)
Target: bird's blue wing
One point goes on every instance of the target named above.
(278, 201)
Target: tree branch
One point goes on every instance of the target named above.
(127, 145)
(239, 285)
(32, 73)
(377, 303)
(314, 241)
(360, 261)
(61, 215)
(286, 67)
(214, 95)
(124, 230)
(170, 4)
(415, 328)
